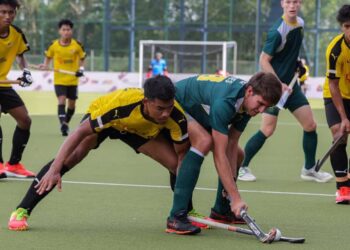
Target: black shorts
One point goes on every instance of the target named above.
(332, 114)
(9, 99)
(133, 140)
(71, 92)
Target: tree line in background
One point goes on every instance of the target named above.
(170, 20)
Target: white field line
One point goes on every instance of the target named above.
(167, 187)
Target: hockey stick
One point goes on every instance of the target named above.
(67, 72)
(286, 93)
(10, 81)
(335, 144)
(243, 230)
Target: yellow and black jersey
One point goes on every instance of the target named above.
(123, 110)
(338, 66)
(11, 46)
(66, 57)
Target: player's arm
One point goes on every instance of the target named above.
(265, 64)
(223, 168)
(26, 78)
(338, 103)
(53, 177)
(232, 149)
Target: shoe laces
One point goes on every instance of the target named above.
(21, 213)
(194, 213)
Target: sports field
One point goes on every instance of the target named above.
(116, 199)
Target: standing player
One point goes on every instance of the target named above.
(67, 54)
(279, 56)
(336, 95)
(13, 44)
(157, 67)
(218, 109)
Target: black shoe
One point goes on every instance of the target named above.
(64, 129)
(181, 225)
(228, 218)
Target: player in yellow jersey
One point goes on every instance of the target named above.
(13, 45)
(336, 94)
(67, 54)
(150, 122)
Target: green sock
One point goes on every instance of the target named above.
(310, 146)
(222, 205)
(186, 180)
(253, 146)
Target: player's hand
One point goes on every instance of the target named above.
(26, 78)
(80, 72)
(43, 67)
(49, 180)
(285, 87)
(345, 126)
(237, 206)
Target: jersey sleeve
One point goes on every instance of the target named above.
(50, 52)
(333, 63)
(81, 51)
(220, 116)
(272, 42)
(178, 125)
(23, 44)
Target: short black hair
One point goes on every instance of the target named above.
(13, 3)
(65, 22)
(344, 14)
(159, 87)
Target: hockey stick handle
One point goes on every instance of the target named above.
(10, 81)
(286, 93)
(63, 71)
(335, 144)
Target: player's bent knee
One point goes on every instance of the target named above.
(25, 123)
(268, 131)
(310, 127)
(204, 144)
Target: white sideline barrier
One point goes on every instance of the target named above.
(109, 81)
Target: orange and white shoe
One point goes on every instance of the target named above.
(2, 171)
(18, 220)
(18, 170)
(342, 196)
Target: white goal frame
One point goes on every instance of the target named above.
(225, 45)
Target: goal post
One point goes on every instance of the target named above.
(189, 57)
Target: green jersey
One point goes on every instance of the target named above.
(283, 44)
(214, 101)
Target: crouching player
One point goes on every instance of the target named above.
(336, 95)
(138, 118)
(218, 109)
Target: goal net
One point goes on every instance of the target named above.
(186, 58)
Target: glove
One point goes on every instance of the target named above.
(80, 72)
(300, 68)
(26, 79)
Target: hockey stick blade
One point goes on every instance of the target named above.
(335, 144)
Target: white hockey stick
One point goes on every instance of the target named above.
(286, 93)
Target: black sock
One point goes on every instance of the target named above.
(1, 159)
(62, 113)
(19, 142)
(70, 113)
(32, 198)
(343, 184)
(172, 185)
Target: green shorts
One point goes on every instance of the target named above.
(296, 100)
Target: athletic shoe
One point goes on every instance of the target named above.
(18, 170)
(64, 129)
(2, 171)
(193, 213)
(181, 225)
(227, 218)
(18, 220)
(312, 175)
(245, 174)
(342, 196)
